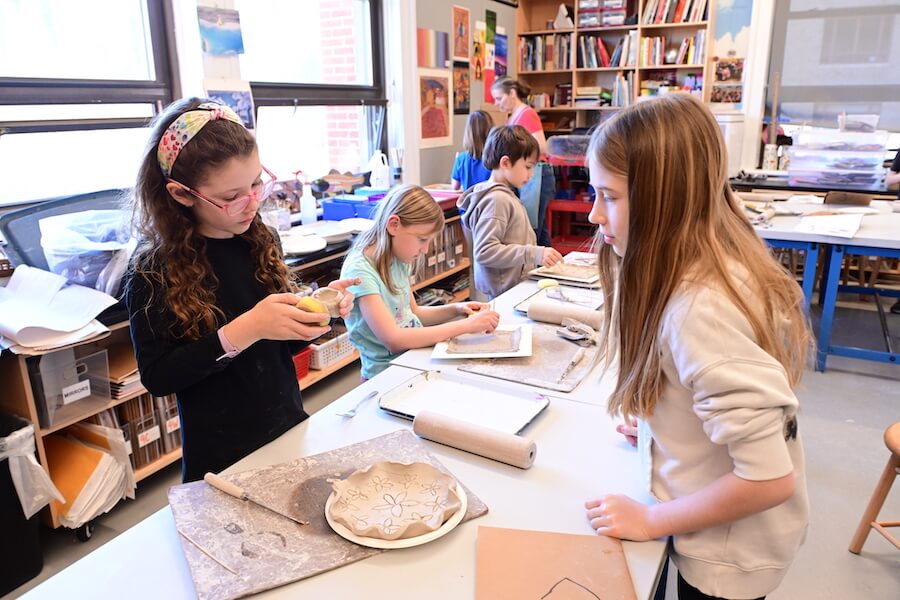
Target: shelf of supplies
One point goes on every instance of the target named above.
(160, 463)
(461, 295)
(316, 376)
(555, 109)
(545, 72)
(462, 266)
(600, 107)
(605, 69)
(545, 32)
(687, 25)
(669, 67)
(320, 261)
(610, 28)
(74, 413)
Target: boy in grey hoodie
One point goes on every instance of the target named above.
(503, 245)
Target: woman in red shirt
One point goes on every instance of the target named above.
(509, 96)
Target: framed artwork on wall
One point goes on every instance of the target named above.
(435, 112)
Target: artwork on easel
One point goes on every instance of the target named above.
(461, 33)
(435, 119)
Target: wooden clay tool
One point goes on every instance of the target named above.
(233, 490)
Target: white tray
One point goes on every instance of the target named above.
(479, 400)
(440, 351)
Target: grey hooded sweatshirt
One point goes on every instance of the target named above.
(502, 242)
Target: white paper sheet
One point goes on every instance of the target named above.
(844, 226)
(36, 311)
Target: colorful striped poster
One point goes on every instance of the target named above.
(433, 48)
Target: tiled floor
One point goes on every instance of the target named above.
(843, 414)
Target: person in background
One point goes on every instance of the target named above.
(386, 320)
(504, 247)
(467, 168)
(510, 97)
(710, 338)
(213, 316)
(893, 178)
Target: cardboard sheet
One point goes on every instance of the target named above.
(512, 564)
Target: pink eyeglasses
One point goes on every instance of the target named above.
(260, 191)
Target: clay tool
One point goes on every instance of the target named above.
(206, 552)
(234, 490)
(577, 358)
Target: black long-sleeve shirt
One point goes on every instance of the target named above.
(227, 408)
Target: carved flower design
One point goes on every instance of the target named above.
(433, 488)
(389, 526)
(396, 504)
(356, 494)
(381, 483)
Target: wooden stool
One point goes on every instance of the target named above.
(891, 470)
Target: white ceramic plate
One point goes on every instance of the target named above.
(858, 210)
(358, 224)
(303, 244)
(444, 529)
(440, 349)
(331, 231)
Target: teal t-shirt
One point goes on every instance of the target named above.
(374, 356)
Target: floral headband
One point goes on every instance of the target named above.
(185, 127)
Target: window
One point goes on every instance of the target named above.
(76, 93)
(324, 108)
(836, 56)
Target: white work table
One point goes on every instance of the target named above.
(579, 456)
(881, 230)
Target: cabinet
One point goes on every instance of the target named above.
(579, 76)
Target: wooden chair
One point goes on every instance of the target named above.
(891, 470)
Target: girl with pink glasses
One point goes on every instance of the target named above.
(213, 316)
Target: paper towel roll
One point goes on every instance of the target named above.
(504, 447)
(555, 312)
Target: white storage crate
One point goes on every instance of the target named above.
(330, 348)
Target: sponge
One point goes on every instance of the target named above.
(312, 305)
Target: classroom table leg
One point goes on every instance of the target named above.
(809, 272)
(833, 261)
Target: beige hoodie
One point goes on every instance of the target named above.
(726, 406)
(501, 239)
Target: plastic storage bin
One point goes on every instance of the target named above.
(66, 386)
(330, 348)
(23, 555)
(832, 158)
(301, 362)
(567, 149)
(169, 423)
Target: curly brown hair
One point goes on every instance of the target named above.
(171, 254)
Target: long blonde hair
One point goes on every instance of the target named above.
(413, 206)
(684, 222)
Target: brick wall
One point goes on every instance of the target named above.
(339, 66)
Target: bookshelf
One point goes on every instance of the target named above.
(666, 43)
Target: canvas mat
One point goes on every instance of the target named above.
(266, 549)
(549, 358)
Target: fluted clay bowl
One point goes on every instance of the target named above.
(393, 501)
(331, 298)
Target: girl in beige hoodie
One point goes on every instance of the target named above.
(710, 337)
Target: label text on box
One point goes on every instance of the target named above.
(76, 391)
(172, 424)
(145, 437)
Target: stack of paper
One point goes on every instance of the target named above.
(39, 312)
(89, 465)
(124, 378)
